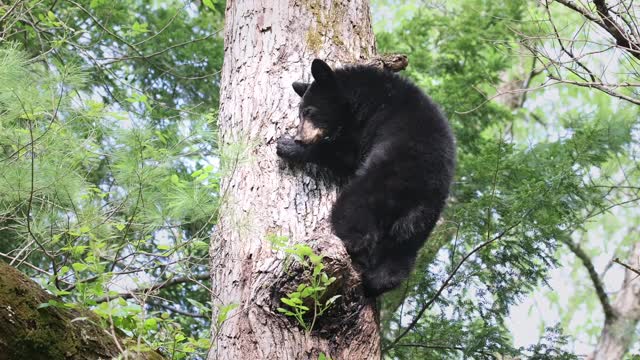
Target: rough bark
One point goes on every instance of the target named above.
(620, 327)
(268, 45)
(52, 333)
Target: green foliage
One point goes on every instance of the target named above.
(450, 339)
(309, 298)
(167, 333)
(456, 54)
(109, 186)
(520, 191)
(90, 194)
(550, 347)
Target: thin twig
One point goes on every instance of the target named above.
(628, 267)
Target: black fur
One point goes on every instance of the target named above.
(398, 151)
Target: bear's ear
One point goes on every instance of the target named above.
(300, 88)
(321, 71)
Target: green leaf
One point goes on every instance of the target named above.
(293, 302)
(285, 311)
(175, 179)
(139, 28)
(308, 291)
(223, 313)
(79, 267)
(315, 259)
(150, 324)
(317, 269)
(332, 299)
(209, 4)
(199, 244)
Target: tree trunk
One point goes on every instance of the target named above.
(619, 328)
(268, 45)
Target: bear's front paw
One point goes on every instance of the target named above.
(287, 148)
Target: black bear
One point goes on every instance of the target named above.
(397, 151)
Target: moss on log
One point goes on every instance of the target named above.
(29, 332)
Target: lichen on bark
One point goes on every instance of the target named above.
(325, 25)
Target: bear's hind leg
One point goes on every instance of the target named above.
(354, 222)
(415, 226)
(388, 273)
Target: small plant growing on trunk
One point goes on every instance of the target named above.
(307, 303)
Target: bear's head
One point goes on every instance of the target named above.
(323, 110)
